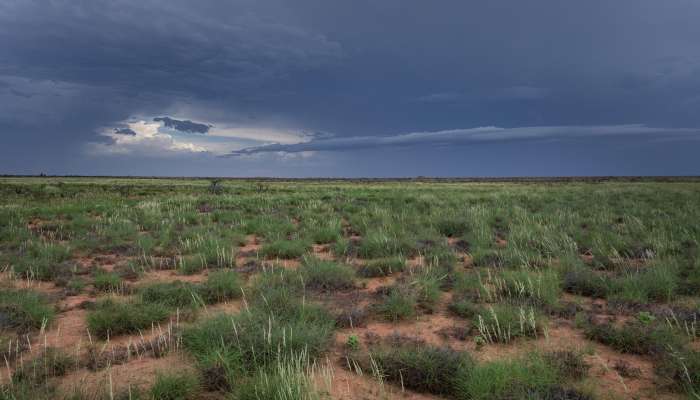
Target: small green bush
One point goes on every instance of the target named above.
(327, 275)
(635, 337)
(171, 294)
(506, 322)
(567, 363)
(231, 347)
(382, 267)
(583, 281)
(530, 377)
(681, 370)
(104, 281)
(328, 234)
(419, 367)
(539, 288)
(464, 308)
(383, 244)
(399, 304)
(24, 309)
(220, 285)
(50, 363)
(285, 249)
(426, 286)
(191, 264)
(452, 227)
(178, 386)
(111, 318)
(656, 283)
(290, 378)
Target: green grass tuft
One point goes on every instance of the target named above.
(111, 318)
(175, 386)
(382, 267)
(24, 310)
(285, 249)
(327, 275)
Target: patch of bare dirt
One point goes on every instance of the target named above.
(48, 288)
(323, 252)
(164, 276)
(415, 262)
(287, 264)
(139, 372)
(228, 307)
(352, 385)
(428, 328)
(370, 285)
(251, 247)
(107, 262)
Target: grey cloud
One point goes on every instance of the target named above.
(158, 46)
(490, 95)
(439, 98)
(124, 131)
(466, 136)
(520, 93)
(184, 125)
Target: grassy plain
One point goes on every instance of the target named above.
(245, 289)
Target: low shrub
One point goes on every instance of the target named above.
(112, 318)
(326, 234)
(398, 304)
(467, 286)
(635, 337)
(463, 307)
(230, 350)
(104, 281)
(538, 288)
(24, 310)
(489, 258)
(285, 249)
(290, 378)
(569, 364)
(505, 322)
(657, 282)
(440, 256)
(351, 317)
(382, 267)
(190, 264)
(583, 281)
(426, 286)
(171, 294)
(681, 371)
(530, 377)
(419, 367)
(50, 363)
(452, 227)
(327, 275)
(174, 386)
(378, 244)
(220, 285)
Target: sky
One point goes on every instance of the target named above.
(363, 88)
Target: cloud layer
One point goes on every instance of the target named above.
(469, 136)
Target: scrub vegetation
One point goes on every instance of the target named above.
(242, 289)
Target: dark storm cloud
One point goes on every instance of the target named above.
(183, 126)
(163, 46)
(124, 131)
(359, 70)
